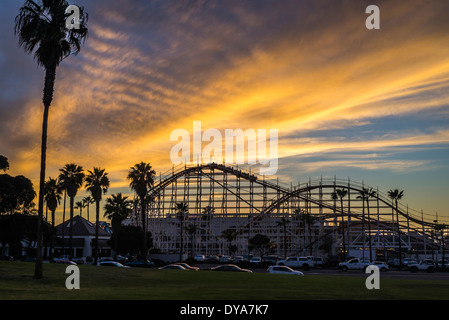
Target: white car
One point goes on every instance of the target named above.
(381, 265)
(354, 264)
(173, 267)
(284, 270)
(425, 265)
(297, 262)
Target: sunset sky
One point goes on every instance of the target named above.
(372, 105)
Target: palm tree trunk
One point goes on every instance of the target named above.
(97, 227)
(285, 241)
(52, 235)
(72, 200)
(116, 228)
(343, 229)
(63, 220)
(369, 232)
(363, 229)
(142, 211)
(399, 236)
(181, 242)
(310, 240)
(50, 77)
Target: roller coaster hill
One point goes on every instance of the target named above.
(303, 219)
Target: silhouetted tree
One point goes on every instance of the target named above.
(41, 29)
(97, 183)
(141, 178)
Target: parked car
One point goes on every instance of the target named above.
(284, 270)
(225, 259)
(319, 261)
(111, 264)
(186, 266)
(256, 260)
(238, 258)
(270, 260)
(297, 262)
(229, 267)
(65, 262)
(354, 264)
(383, 266)
(173, 267)
(121, 259)
(199, 258)
(425, 265)
(139, 264)
(65, 257)
(212, 259)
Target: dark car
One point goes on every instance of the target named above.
(212, 258)
(229, 267)
(139, 264)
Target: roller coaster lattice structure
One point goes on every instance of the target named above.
(249, 204)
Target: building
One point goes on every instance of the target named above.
(83, 238)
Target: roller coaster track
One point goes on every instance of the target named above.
(303, 193)
(287, 193)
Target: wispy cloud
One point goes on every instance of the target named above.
(309, 69)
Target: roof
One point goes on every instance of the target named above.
(80, 227)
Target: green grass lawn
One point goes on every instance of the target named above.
(108, 283)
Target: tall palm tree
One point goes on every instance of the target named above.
(283, 224)
(441, 227)
(191, 230)
(63, 188)
(117, 209)
(141, 178)
(71, 178)
(340, 194)
(87, 202)
(97, 183)
(80, 205)
(229, 235)
(366, 194)
(41, 30)
(52, 199)
(396, 195)
(207, 215)
(308, 221)
(182, 212)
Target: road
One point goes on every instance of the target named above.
(392, 274)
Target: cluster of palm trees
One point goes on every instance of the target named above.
(182, 214)
(365, 194)
(117, 208)
(69, 182)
